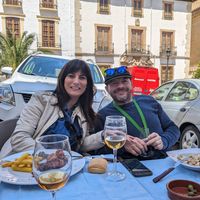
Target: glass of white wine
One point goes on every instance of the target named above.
(115, 137)
(52, 162)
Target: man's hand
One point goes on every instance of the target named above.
(155, 140)
(135, 145)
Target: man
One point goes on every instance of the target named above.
(144, 115)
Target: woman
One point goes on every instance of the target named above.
(67, 110)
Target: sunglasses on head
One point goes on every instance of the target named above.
(119, 70)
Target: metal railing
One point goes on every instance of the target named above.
(104, 9)
(54, 42)
(12, 2)
(168, 51)
(137, 13)
(138, 51)
(99, 49)
(48, 5)
(168, 16)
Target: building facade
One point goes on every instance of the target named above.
(135, 32)
(51, 20)
(108, 32)
(195, 39)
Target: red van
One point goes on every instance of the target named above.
(144, 79)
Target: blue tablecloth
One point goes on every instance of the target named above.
(86, 186)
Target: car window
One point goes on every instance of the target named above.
(96, 74)
(180, 92)
(192, 93)
(159, 93)
(43, 66)
(50, 67)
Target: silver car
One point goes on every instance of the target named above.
(180, 99)
(39, 72)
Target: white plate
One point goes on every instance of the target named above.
(7, 175)
(174, 154)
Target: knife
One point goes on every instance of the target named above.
(166, 172)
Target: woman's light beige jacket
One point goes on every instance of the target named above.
(38, 115)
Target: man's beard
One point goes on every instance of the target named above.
(122, 99)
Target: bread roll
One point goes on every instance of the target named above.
(97, 166)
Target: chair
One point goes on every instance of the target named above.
(6, 129)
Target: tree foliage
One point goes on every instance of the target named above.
(197, 72)
(13, 50)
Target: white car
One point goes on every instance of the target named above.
(39, 72)
(180, 99)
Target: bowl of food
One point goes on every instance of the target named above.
(183, 189)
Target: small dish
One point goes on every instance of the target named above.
(176, 153)
(178, 190)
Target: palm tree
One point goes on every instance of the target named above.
(14, 50)
(196, 74)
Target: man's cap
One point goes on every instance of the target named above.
(113, 73)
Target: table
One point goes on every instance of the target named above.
(86, 186)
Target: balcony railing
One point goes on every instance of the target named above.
(168, 51)
(12, 2)
(138, 51)
(48, 5)
(104, 50)
(104, 10)
(54, 42)
(137, 13)
(168, 16)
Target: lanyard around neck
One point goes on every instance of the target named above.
(123, 112)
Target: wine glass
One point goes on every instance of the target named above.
(52, 162)
(115, 137)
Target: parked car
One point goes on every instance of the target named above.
(39, 72)
(181, 101)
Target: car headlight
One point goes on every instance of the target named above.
(6, 94)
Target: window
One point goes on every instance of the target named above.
(167, 41)
(48, 33)
(168, 10)
(180, 92)
(103, 39)
(136, 40)
(104, 7)
(161, 91)
(48, 4)
(137, 8)
(170, 72)
(13, 25)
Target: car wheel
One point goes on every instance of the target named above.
(190, 138)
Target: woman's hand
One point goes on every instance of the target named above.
(155, 140)
(135, 145)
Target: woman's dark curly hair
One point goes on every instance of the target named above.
(86, 99)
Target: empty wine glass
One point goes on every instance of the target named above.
(115, 137)
(52, 162)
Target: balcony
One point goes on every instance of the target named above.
(138, 51)
(168, 51)
(16, 3)
(168, 16)
(104, 50)
(48, 5)
(104, 10)
(137, 13)
(47, 43)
